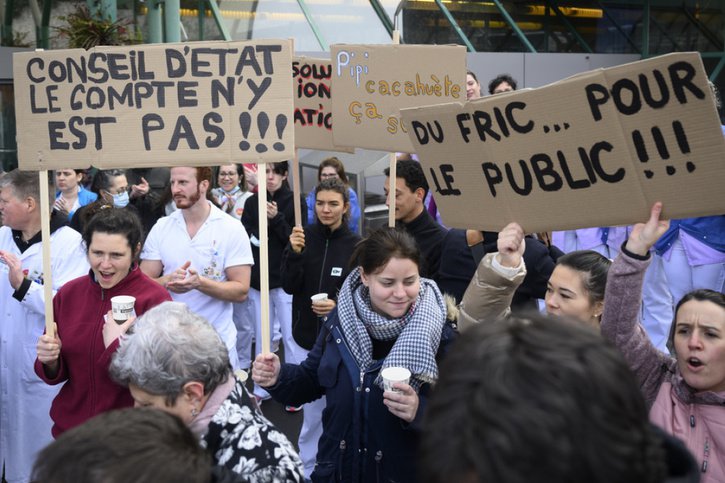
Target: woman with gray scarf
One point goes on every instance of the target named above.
(386, 316)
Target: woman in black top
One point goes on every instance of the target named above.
(316, 260)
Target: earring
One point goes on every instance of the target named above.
(194, 412)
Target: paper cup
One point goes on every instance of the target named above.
(392, 375)
(122, 308)
(318, 297)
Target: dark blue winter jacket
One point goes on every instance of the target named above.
(361, 441)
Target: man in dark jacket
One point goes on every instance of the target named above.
(411, 188)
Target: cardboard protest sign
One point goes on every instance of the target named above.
(373, 82)
(155, 105)
(597, 149)
(312, 83)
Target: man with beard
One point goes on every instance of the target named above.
(200, 254)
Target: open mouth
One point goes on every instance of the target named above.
(694, 363)
(106, 276)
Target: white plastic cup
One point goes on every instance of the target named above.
(392, 375)
(122, 308)
(318, 297)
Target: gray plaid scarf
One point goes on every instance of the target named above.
(417, 334)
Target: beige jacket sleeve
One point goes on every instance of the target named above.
(488, 295)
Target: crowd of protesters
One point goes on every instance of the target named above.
(590, 355)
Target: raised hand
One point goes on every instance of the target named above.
(511, 245)
(644, 235)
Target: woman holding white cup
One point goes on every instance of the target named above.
(87, 334)
(386, 316)
(314, 266)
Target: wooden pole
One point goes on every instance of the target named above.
(296, 188)
(263, 256)
(296, 170)
(393, 163)
(391, 190)
(45, 233)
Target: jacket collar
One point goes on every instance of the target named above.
(325, 232)
(118, 289)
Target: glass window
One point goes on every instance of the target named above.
(348, 22)
(8, 146)
(270, 19)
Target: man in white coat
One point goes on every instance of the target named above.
(201, 255)
(25, 399)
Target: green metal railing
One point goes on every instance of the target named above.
(163, 23)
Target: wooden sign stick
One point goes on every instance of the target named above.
(296, 188)
(393, 164)
(45, 233)
(263, 256)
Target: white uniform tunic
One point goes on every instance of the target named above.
(220, 243)
(25, 399)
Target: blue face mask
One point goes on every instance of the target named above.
(120, 200)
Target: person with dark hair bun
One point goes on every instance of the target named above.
(387, 316)
(685, 393)
(112, 189)
(79, 354)
(542, 399)
(575, 287)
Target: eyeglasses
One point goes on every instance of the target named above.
(127, 189)
(326, 175)
(229, 174)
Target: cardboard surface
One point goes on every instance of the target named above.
(312, 84)
(597, 149)
(196, 103)
(373, 82)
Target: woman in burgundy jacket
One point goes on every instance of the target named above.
(87, 336)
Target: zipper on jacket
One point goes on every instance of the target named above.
(378, 459)
(92, 366)
(706, 455)
(343, 446)
(324, 260)
(692, 420)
